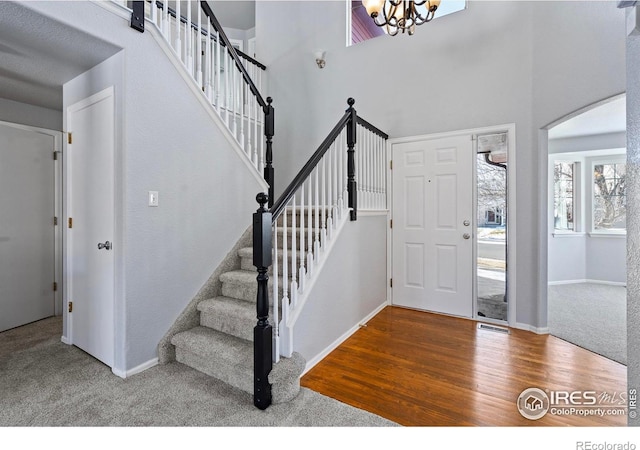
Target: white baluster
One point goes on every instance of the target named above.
(241, 107)
(153, 15)
(332, 189)
(227, 97)
(189, 36)
(303, 272)
(276, 299)
(234, 92)
(199, 49)
(256, 145)
(316, 241)
(208, 68)
(261, 137)
(310, 231)
(250, 150)
(165, 21)
(294, 260)
(340, 160)
(177, 46)
(218, 74)
(323, 212)
(285, 265)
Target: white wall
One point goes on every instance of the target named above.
(345, 294)
(35, 116)
(171, 144)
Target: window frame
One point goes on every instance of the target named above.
(578, 205)
(602, 160)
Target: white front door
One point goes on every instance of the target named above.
(433, 225)
(91, 209)
(27, 239)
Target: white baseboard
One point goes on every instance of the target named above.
(65, 340)
(527, 327)
(320, 356)
(607, 283)
(142, 367)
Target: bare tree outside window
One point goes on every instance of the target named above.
(492, 193)
(563, 185)
(609, 199)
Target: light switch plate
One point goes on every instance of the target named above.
(153, 198)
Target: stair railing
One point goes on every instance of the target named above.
(229, 78)
(298, 231)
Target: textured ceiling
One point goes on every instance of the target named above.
(38, 55)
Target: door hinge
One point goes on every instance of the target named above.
(70, 307)
(55, 221)
(55, 286)
(391, 223)
(69, 138)
(391, 165)
(70, 222)
(391, 282)
(55, 156)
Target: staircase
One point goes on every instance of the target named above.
(222, 346)
(243, 333)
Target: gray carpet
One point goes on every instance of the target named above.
(592, 316)
(48, 383)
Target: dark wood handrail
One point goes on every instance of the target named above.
(172, 12)
(234, 54)
(279, 205)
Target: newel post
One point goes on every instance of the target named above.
(262, 332)
(269, 123)
(137, 16)
(351, 165)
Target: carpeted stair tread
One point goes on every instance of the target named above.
(229, 315)
(220, 355)
(230, 359)
(242, 284)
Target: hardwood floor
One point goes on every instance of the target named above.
(423, 369)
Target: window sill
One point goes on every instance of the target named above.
(608, 234)
(568, 234)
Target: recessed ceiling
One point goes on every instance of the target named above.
(39, 55)
(238, 14)
(610, 117)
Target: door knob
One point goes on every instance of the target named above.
(107, 245)
(466, 223)
(466, 235)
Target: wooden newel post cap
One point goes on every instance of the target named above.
(262, 199)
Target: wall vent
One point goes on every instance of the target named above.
(484, 326)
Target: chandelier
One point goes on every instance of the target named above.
(400, 15)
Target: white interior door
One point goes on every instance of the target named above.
(27, 235)
(433, 225)
(91, 209)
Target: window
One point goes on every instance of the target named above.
(609, 197)
(563, 196)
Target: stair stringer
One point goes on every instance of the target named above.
(287, 325)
